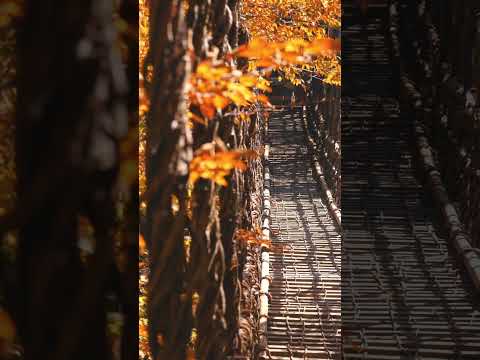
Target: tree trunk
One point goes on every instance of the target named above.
(66, 167)
(168, 154)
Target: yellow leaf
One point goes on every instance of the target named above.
(295, 45)
(244, 116)
(220, 179)
(216, 166)
(264, 85)
(220, 102)
(240, 94)
(175, 204)
(203, 68)
(208, 71)
(248, 80)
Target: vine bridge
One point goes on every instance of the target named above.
(399, 286)
(304, 314)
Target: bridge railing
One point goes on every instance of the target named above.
(449, 78)
(320, 106)
(324, 127)
(421, 84)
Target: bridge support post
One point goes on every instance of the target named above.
(265, 277)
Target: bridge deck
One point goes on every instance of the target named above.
(403, 294)
(304, 313)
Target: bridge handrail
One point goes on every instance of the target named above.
(454, 125)
(324, 126)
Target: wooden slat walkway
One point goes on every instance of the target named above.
(404, 295)
(304, 311)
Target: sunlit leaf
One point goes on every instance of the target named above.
(216, 166)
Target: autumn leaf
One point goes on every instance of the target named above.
(263, 84)
(256, 237)
(220, 102)
(142, 245)
(248, 80)
(239, 94)
(264, 100)
(295, 45)
(252, 237)
(175, 204)
(215, 166)
(286, 33)
(142, 330)
(324, 47)
(257, 48)
(207, 110)
(207, 71)
(266, 63)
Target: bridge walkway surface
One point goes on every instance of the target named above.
(404, 292)
(304, 311)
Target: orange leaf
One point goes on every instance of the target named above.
(266, 62)
(264, 100)
(220, 102)
(257, 48)
(248, 80)
(207, 110)
(324, 47)
(216, 166)
(142, 245)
